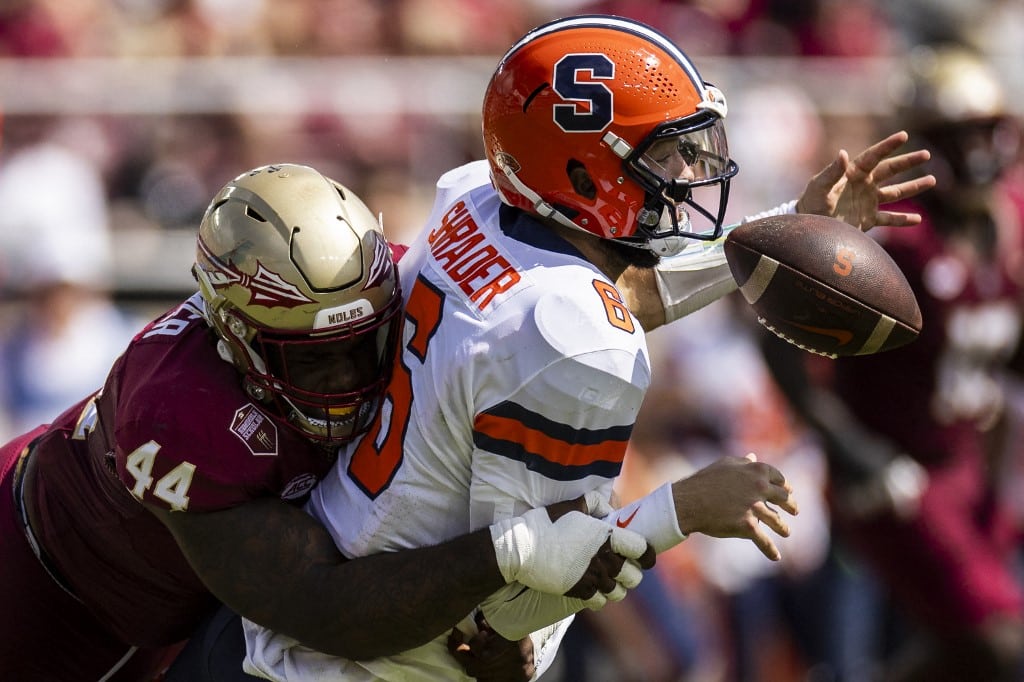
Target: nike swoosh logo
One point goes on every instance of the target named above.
(629, 519)
(843, 336)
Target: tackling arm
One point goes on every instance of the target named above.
(277, 566)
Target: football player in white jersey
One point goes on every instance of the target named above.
(523, 364)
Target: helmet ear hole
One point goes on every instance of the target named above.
(580, 179)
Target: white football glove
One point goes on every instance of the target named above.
(553, 556)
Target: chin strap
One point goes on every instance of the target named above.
(540, 207)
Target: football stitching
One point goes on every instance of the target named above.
(788, 339)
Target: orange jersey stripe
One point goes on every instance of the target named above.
(546, 443)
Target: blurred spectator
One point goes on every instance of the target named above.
(55, 265)
(848, 28)
(28, 30)
(910, 433)
(328, 27)
(460, 26)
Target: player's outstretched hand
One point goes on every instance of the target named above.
(565, 551)
(736, 497)
(854, 189)
(489, 657)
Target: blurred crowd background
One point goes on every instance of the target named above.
(122, 118)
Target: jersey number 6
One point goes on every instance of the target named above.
(379, 454)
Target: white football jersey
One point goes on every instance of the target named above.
(519, 379)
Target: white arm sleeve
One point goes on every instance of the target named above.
(699, 275)
(787, 208)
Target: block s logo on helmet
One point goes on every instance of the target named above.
(592, 109)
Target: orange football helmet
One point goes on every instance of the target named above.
(618, 99)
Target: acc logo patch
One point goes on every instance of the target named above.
(256, 430)
(298, 486)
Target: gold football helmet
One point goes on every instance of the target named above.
(300, 286)
(954, 99)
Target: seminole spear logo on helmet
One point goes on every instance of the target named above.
(382, 265)
(265, 287)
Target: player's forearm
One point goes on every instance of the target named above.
(683, 291)
(398, 601)
(696, 277)
(279, 567)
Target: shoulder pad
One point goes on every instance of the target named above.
(586, 328)
(457, 182)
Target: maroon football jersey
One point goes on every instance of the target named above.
(172, 426)
(931, 396)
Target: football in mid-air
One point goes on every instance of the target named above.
(823, 285)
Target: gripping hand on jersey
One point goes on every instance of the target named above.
(562, 552)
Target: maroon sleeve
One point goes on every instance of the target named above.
(187, 435)
(398, 250)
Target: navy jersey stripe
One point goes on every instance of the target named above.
(543, 466)
(557, 430)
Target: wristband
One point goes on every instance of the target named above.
(653, 517)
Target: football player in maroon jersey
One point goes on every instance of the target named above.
(910, 433)
(179, 483)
